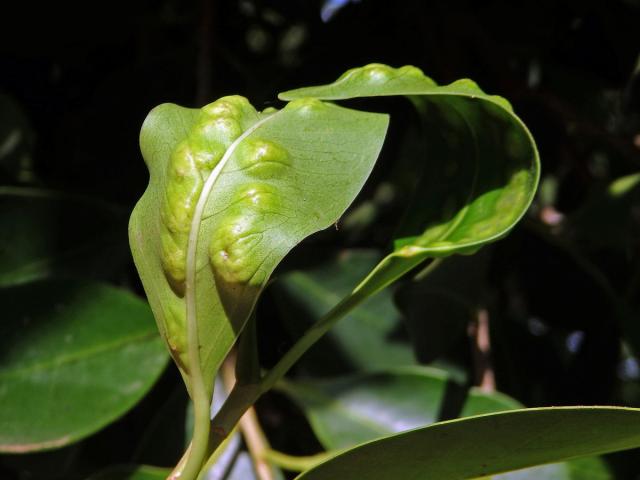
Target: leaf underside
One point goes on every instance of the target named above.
(488, 444)
(479, 174)
(276, 178)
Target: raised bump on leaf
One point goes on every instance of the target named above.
(243, 224)
(173, 257)
(176, 327)
(220, 124)
(207, 158)
(184, 184)
(183, 187)
(263, 158)
(231, 246)
(218, 130)
(235, 106)
(378, 73)
(260, 196)
(306, 106)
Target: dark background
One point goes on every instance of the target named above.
(78, 80)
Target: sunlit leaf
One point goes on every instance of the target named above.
(479, 173)
(231, 192)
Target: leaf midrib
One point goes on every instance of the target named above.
(193, 340)
(76, 356)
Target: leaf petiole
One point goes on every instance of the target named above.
(295, 463)
(243, 396)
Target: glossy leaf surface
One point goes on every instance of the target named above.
(488, 444)
(72, 362)
(589, 468)
(479, 175)
(233, 191)
(354, 410)
(350, 410)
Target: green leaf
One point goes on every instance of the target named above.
(75, 357)
(480, 173)
(39, 236)
(488, 444)
(364, 339)
(479, 402)
(132, 472)
(590, 468)
(350, 410)
(231, 192)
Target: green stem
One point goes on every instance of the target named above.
(200, 394)
(244, 396)
(296, 464)
(198, 390)
(240, 399)
(426, 271)
(200, 441)
(310, 337)
(216, 455)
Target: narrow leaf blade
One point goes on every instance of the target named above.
(488, 444)
(354, 409)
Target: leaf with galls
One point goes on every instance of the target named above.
(231, 191)
(478, 175)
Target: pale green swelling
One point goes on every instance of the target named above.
(233, 190)
(479, 174)
(282, 176)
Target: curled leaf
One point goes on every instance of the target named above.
(479, 174)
